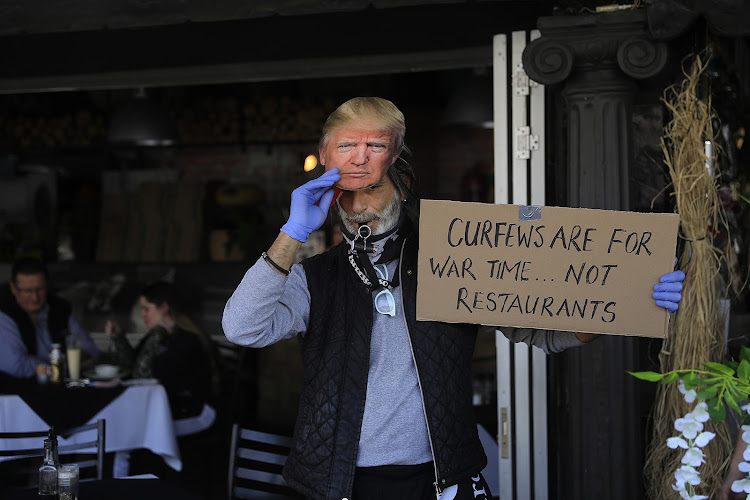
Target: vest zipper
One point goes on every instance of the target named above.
(416, 369)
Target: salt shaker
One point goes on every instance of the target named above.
(67, 482)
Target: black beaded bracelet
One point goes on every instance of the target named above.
(275, 265)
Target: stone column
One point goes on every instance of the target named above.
(596, 57)
(598, 424)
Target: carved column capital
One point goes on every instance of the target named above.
(590, 42)
(641, 58)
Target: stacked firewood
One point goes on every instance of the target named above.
(230, 120)
(214, 120)
(79, 129)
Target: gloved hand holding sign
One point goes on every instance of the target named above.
(668, 291)
(305, 216)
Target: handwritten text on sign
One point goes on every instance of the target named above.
(543, 267)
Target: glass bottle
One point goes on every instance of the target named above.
(55, 364)
(49, 468)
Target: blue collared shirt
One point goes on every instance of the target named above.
(16, 360)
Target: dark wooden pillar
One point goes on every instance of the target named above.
(596, 416)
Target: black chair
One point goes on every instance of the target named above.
(78, 453)
(255, 463)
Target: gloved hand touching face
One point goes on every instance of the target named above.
(667, 291)
(310, 204)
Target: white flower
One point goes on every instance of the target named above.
(744, 467)
(746, 453)
(703, 438)
(686, 496)
(687, 474)
(688, 426)
(675, 442)
(745, 408)
(693, 438)
(742, 485)
(700, 412)
(746, 433)
(693, 456)
(689, 394)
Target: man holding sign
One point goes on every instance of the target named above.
(386, 407)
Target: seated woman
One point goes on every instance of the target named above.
(178, 356)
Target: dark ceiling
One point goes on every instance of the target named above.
(52, 45)
(55, 16)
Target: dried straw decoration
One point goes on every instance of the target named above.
(696, 330)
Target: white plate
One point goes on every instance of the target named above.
(91, 374)
(140, 381)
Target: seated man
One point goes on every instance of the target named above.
(32, 319)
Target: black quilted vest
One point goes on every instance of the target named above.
(336, 352)
(57, 318)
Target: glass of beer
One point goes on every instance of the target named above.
(73, 353)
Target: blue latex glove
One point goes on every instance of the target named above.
(667, 291)
(305, 216)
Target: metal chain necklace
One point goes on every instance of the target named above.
(363, 276)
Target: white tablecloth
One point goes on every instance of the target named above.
(138, 418)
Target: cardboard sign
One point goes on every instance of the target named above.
(551, 268)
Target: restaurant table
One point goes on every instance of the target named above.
(137, 417)
(115, 489)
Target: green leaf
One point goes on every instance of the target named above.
(712, 380)
(744, 389)
(743, 371)
(716, 410)
(708, 392)
(732, 389)
(691, 380)
(670, 377)
(649, 376)
(745, 353)
(729, 400)
(718, 368)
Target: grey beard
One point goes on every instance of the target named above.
(386, 220)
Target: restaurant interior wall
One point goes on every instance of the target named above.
(240, 153)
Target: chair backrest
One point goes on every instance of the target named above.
(87, 445)
(94, 433)
(255, 463)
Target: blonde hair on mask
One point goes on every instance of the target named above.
(380, 113)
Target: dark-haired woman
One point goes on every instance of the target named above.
(172, 351)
